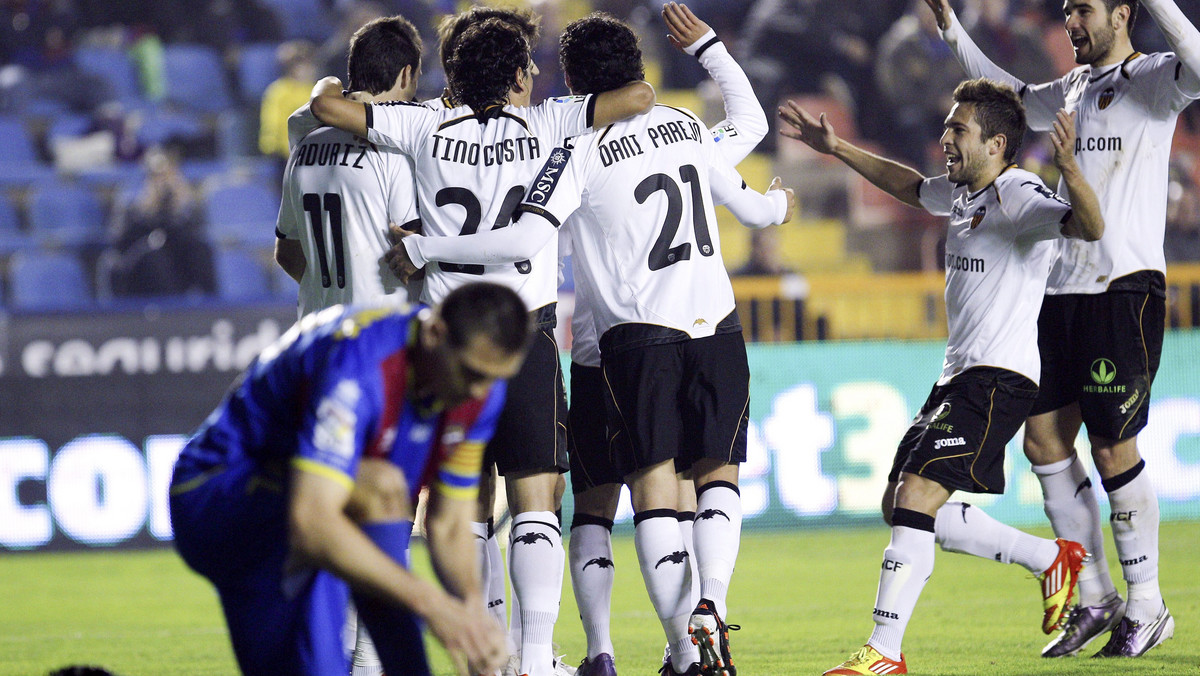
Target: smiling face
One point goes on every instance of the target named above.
(1093, 30)
(968, 154)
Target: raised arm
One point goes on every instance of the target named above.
(745, 123)
(965, 50)
(331, 108)
(897, 180)
(1087, 221)
(1183, 38)
(622, 103)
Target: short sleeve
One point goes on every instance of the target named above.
(1043, 101)
(301, 123)
(400, 125)
(563, 117)
(468, 429)
(1036, 212)
(936, 195)
(1163, 85)
(333, 428)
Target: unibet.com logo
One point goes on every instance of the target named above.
(1103, 371)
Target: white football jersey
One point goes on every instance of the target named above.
(644, 234)
(997, 258)
(1125, 118)
(472, 171)
(736, 136)
(339, 194)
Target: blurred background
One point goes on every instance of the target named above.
(141, 149)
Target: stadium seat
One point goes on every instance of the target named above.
(242, 214)
(310, 19)
(240, 276)
(69, 124)
(46, 280)
(161, 126)
(115, 66)
(257, 68)
(11, 237)
(16, 143)
(195, 77)
(65, 214)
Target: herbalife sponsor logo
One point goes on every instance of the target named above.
(1103, 372)
(939, 417)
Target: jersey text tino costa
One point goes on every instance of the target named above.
(464, 152)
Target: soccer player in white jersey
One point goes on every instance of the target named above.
(340, 191)
(473, 164)
(595, 483)
(664, 310)
(998, 250)
(1126, 106)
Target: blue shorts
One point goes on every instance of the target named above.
(231, 527)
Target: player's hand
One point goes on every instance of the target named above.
(327, 86)
(470, 635)
(397, 258)
(814, 133)
(685, 28)
(941, 12)
(1063, 139)
(777, 184)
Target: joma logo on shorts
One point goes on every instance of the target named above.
(953, 441)
(1124, 408)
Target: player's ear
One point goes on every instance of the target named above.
(997, 144)
(407, 76)
(433, 333)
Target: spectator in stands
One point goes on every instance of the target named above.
(1011, 40)
(764, 256)
(285, 95)
(159, 243)
(916, 74)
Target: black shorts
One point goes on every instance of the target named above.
(531, 434)
(958, 438)
(591, 464)
(1102, 350)
(684, 401)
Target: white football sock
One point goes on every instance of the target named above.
(663, 560)
(907, 565)
(366, 659)
(492, 572)
(537, 560)
(592, 574)
(966, 529)
(1135, 529)
(687, 523)
(1070, 504)
(717, 533)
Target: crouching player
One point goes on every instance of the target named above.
(998, 255)
(299, 489)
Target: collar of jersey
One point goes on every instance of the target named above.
(1112, 69)
(977, 193)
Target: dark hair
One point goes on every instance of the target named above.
(1112, 5)
(379, 50)
(998, 110)
(489, 309)
(599, 53)
(483, 67)
(451, 28)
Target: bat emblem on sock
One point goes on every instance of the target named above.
(600, 561)
(531, 538)
(711, 514)
(673, 557)
(1087, 483)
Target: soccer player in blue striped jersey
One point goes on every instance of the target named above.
(300, 488)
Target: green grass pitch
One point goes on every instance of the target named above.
(803, 599)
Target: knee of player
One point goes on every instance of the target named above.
(380, 493)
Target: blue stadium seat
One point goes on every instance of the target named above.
(195, 77)
(65, 214)
(310, 19)
(115, 67)
(11, 237)
(257, 69)
(46, 280)
(69, 124)
(16, 143)
(161, 126)
(240, 276)
(242, 213)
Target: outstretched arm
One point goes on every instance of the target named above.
(1086, 222)
(745, 123)
(1183, 38)
(894, 178)
(965, 50)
